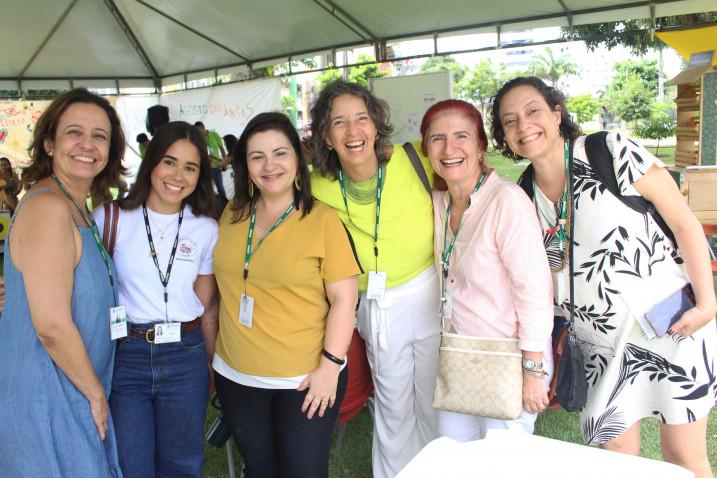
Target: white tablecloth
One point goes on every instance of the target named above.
(507, 454)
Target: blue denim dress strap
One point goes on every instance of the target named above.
(47, 427)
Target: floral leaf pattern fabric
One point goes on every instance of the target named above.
(623, 265)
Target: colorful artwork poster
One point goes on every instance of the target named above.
(17, 121)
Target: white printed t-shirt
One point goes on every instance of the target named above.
(140, 288)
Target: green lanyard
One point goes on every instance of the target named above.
(95, 232)
(448, 250)
(379, 187)
(561, 221)
(252, 221)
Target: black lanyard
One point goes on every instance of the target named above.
(163, 278)
(379, 187)
(95, 234)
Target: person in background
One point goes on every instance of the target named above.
(624, 265)
(354, 165)
(217, 157)
(10, 186)
(55, 347)
(287, 278)
(164, 240)
(229, 142)
(142, 143)
(489, 248)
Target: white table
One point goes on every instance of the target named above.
(507, 454)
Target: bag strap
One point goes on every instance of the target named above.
(525, 181)
(417, 166)
(571, 248)
(601, 161)
(109, 232)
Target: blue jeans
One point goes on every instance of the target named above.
(219, 183)
(158, 403)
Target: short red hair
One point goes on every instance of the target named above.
(453, 106)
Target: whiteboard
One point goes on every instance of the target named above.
(409, 97)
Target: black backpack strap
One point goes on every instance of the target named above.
(417, 166)
(525, 181)
(601, 161)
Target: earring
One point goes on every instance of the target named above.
(297, 182)
(49, 153)
(251, 188)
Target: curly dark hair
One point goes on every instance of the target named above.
(202, 200)
(553, 97)
(326, 161)
(40, 166)
(242, 203)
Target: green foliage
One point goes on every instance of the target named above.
(360, 74)
(632, 101)
(480, 84)
(612, 34)
(585, 107)
(659, 125)
(646, 70)
(328, 76)
(288, 104)
(550, 67)
(441, 63)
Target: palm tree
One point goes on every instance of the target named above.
(552, 68)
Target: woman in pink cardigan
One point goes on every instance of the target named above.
(489, 250)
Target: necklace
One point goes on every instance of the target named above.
(161, 230)
(362, 192)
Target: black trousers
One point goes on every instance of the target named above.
(275, 439)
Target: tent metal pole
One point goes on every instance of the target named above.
(47, 37)
(332, 11)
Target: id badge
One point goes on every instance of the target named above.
(118, 322)
(246, 310)
(446, 306)
(376, 285)
(167, 332)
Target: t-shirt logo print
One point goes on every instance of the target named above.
(186, 250)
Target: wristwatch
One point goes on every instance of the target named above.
(530, 364)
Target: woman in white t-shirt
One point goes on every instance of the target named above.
(165, 236)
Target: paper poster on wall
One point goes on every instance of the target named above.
(409, 97)
(226, 108)
(17, 120)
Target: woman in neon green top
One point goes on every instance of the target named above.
(383, 203)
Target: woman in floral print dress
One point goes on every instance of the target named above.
(624, 264)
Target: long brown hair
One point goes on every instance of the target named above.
(40, 166)
(202, 200)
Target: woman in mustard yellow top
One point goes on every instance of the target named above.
(385, 206)
(287, 276)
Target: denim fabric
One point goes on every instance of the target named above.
(46, 426)
(159, 402)
(219, 183)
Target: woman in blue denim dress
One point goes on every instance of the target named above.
(56, 354)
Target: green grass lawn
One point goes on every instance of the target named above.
(354, 460)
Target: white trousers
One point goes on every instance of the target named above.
(402, 334)
(462, 427)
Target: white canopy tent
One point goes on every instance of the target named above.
(140, 43)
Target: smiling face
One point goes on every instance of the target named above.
(453, 147)
(174, 178)
(532, 128)
(352, 132)
(80, 148)
(272, 164)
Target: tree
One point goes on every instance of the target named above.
(660, 124)
(442, 63)
(631, 101)
(360, 74)
(479, 85)
(646, 70)
(585, 107)
(612, 34)
(328, 76)
(550, 67)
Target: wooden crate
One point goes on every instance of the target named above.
(702, 192)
